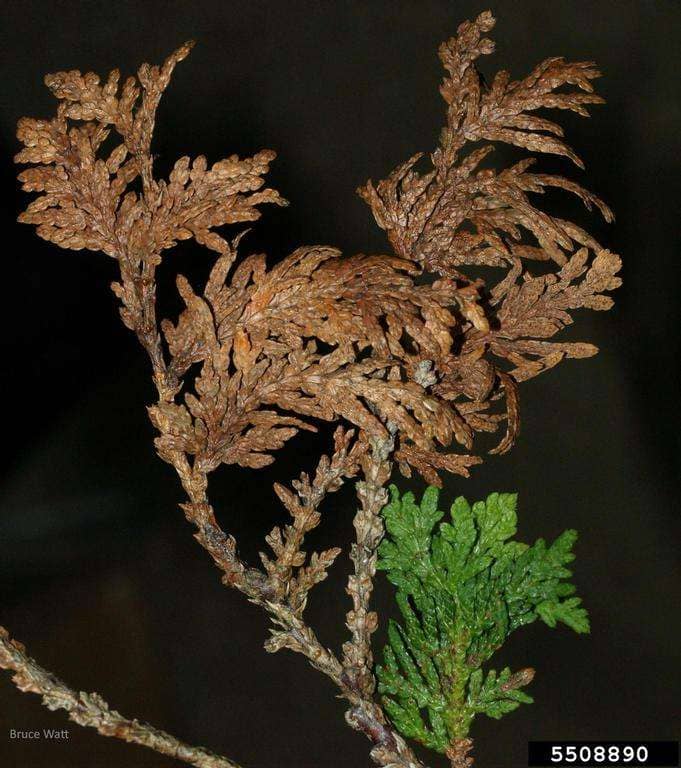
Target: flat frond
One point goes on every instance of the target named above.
(463, 585)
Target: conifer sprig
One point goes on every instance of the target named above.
(410, 353)
(462, 587)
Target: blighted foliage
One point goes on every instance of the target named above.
(319, 336)
(462, 587)
(409, 354)
(259, 338)
(458, 215)
(303, 505)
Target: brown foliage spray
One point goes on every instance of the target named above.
(409, 352)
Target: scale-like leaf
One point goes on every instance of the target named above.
(463, 586)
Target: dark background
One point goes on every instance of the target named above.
(99, 574)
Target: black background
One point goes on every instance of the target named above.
(99, 574)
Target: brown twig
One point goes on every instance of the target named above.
(91, 711)
(368, 524)
(288, 575)
(458, 753)
(365, 715)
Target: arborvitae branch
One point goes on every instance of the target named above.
(288, 574)
(415, 366)
(91, 711)
(361, 621)
(462, 587)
